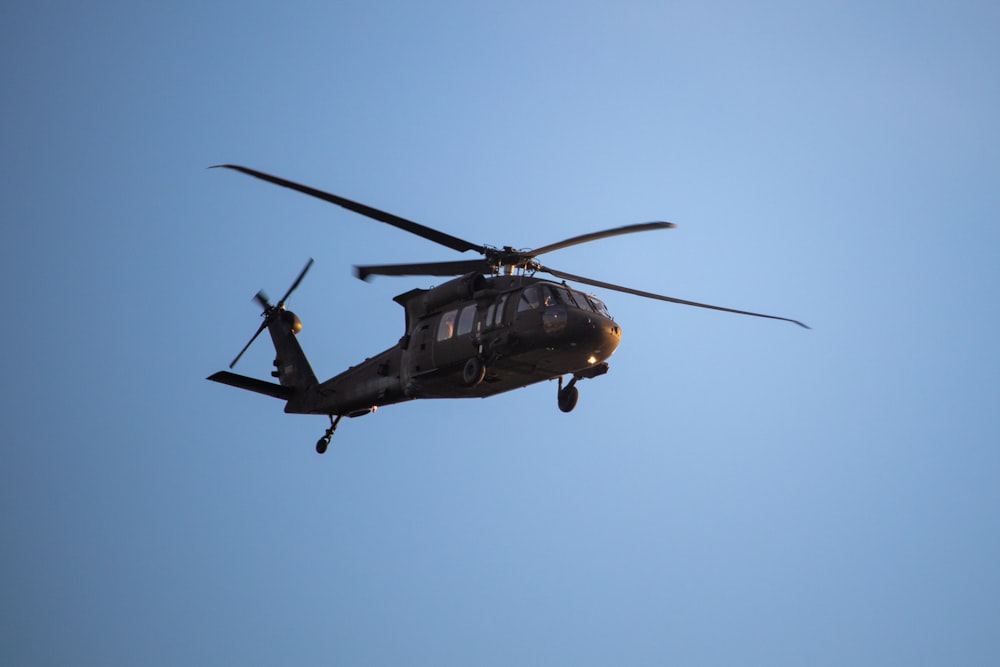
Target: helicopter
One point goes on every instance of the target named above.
(495, 326)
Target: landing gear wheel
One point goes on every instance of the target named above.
(474, 372)
(324, 442)
(568, 397)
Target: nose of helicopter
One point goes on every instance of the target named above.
(596, 336)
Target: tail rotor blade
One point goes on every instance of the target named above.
(263, 325)
(261, 298)
(295, 285)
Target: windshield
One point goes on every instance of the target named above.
(597, 306)
(549, 295)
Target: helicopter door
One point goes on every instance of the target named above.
(454, 340)
(422, 349)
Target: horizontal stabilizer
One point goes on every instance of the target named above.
(253, 384)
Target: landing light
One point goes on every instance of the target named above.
(591, 360)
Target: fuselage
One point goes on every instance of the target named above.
(522, 329)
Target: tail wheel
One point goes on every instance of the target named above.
(324, 442)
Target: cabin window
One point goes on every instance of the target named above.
(466, 319)
(529, 299)
(446, 328)
(489, 315)
(499, 312)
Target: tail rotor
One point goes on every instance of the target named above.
(276, 312)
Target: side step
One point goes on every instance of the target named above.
(253, 384)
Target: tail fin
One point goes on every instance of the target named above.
(290, 364)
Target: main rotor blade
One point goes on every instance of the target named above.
(434, 235)
(650, 295)
(594, 236)
(263, 325)
(427, 269)
(295, 285)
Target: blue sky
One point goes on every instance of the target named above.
(734, 491)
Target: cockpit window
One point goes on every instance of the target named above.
(598, 306)
(553, 294)
(529, 299)
(565, 296)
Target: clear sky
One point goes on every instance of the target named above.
(734, 492)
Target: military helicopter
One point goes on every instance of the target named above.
(494, 328)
